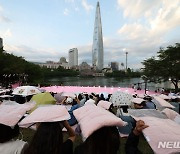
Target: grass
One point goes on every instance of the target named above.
(143, 145)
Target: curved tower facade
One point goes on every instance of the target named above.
(97, 49)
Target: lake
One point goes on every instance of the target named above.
(104, 81)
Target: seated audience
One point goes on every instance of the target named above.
(8, 145)
(109, 96)
(103, 141)
(48, 139)
(133, 138)
(102, 97)
(81, 99)
(106, 140)
(90, 101)
(149, 103)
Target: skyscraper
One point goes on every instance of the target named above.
(114, 66)
(1, 43)
(97, 49)
(73, 57)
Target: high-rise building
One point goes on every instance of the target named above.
(73, 57)
(1, 43)
(97, 49)
(114, 66)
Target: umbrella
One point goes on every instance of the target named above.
(69, 94)
(121, 98)
(137, 100)
(164, 96)
(59, 98)
(26, 90)
(42, 99)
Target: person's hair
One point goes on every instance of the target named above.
(148, 98)
(111, 107)
(7, 133)
(109, 96)
(80, 97)
(97, 95)
(86, 96)
(93, 94)
(90, 96)
(105, 140)
(48, 139)
(143, 103)
(102, 95)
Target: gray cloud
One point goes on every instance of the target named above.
(3, 18)
(86, 6)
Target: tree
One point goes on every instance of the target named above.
(164, 67)
(13, 68)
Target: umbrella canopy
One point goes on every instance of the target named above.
(164, 96)
(50, 113)
(121, 98)
(137, 100)
(11, 114)
(26, 90)
(59, 98)
(42, 99)
(68, 94)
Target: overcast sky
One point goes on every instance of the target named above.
(42, 30)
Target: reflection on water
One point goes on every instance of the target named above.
(101, 81)
(95, 81)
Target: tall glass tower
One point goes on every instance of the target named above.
(97, 49)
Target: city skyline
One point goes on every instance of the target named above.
(45, 30)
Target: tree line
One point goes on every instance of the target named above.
(165, 66)
(17, 69)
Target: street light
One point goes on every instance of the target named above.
(126, 60)
(145, 78)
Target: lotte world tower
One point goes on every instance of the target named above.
(97, 49)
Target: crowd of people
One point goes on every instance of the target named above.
(48, 138)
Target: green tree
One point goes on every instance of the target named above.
(165, 66)
(15, 68)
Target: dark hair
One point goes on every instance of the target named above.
(143, 103)
(105, 140)
(109, 96)
(87, 96)
(80, 97)
(7, 133)
(48, 139)
(90, 96)
(147, 98)
(93, 94)
(111, 109)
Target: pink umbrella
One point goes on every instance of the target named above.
(68, 94)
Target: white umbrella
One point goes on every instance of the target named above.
(26, 90)
(119, 98)
(164, 96)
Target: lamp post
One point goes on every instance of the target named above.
(145, 78)
(126, 60)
